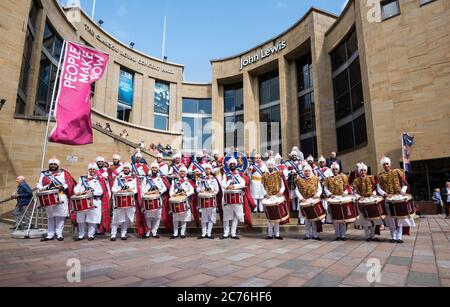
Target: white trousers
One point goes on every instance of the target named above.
(177, 226)
(207, 229)
(259, 205)
(294, 204)
(274, 228)
(226, 228)
(310, 225)
(397, 234)
(123, 228)
(91, 230)
(153, 223)
(340, 230)
(56, 226)
(370, 231)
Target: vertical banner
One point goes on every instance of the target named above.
(81, 67)
(407, 143)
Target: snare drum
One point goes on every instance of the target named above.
(313, 210)
(343, 209)
(124, 200)
(178, 204)
(49, 198)
(151, 202)
(373, 208)
(234, 197)
(82, 203)
(276, 208)
(401, 207)
(207, 200)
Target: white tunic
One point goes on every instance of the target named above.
(145, 187)
(189, 189)
(62, 209)
(256, 187)
(120, 215)
(291, 170)
(164, 169)
(232, 211)
(93, 216)
(209, 215)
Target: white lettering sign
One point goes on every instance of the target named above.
(262, 54)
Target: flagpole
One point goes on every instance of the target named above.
(93, 10)
(44, 151)
(164, 38)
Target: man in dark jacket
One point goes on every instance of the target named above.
(334, 159)
(23, 195)
(446, 199)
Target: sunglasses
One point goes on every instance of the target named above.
(53, 164)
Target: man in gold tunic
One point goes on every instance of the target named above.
(392, 182)
(365, 187)
(337, 186)
(273, 186)
(309, 188)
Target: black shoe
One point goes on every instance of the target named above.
(393, 241)
(317, 239)
(235, 238)
(400, 241)
(47, 239)
(91, 239)
(269, 238)
(344, 239)
(113, 239)
(337, 239)
(79, 239)
(201, 238)
(183, 237)
(306, 239)
(368, 240)
(211, 238)
(60, 239)
(375, 240)
(279, 238)
(172, 237)
(224, 238)
(156, 237)
(124, 238)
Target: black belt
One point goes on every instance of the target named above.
(98, 197)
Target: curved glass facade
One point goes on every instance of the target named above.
(197, 125)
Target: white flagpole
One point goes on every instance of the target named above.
(164, 38)
(93, 10)
(44, 151)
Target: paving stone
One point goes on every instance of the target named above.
(423, 279)
(324, 280)
(254, 283)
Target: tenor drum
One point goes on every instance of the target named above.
(234, 197)
(49, 198)
(207, 200)
(373, 208)
(276, 209)
(152, 202)
(82, 203)
(401, 207)
(313, 210)
(343, 209)
(178, 204)
(124, 200)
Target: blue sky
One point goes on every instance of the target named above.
(201, 30)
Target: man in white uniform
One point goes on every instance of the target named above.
(256, 171)
(90, 185)
(233, 213)
(163, 167)
(56, 179)
(181, 187)
(123, 217)
(153, 185)
(208, 184)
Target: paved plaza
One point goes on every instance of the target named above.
(424, 260)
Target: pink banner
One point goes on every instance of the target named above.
(81, 67)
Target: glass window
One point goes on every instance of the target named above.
(343, 107)
(352, 44)
(234, 98)
(190, 106)
(390, 8)
(197, 124)
(269, 88)
(355, 73)
(427, 176)
(123, 112)
(309, 146)
(162, 97)
(126, 88)
(52, 42)
(161, 122)
(341, 85)
(46, 83)
(345, 137)
(339, 57)
(360, 130)
(357, 97)
(270, 129)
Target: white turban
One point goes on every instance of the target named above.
(257, 156)
(278, 157)
(310, 159)
(183, 169)
(294, 153)
(385, 160)
(307, 168)
(362, 167)
(322, 159)
(232, 161)
(159, 156)
(117, 157)
(199, 154)
(295, 149)
(139, 155)
(271, 163)
(208, 166)
(127, 165)
(335, 166)
(154, 164)
(216, 153)
(100, 159)
(93, 166)
(177, 156)
(54, 161)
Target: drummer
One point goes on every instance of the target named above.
(142, 168)
(365, 187)
(208, 184)
(57, 179)
(256, 171)
(175, 167)
(392, 182)
(123, 217)
(92, 185)
(308, 188)
(337, 186)
(294, 166)
(280, 166)
(181, 187)
(273, 185)
(153, 185)
(233, 213)
(163, 167)
(197, 167)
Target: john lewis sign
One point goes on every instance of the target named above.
(262, 54)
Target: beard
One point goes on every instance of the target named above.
(233, 168)
(54, 168)
(154, 174)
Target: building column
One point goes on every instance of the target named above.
(112, 96)
(148, 103)
(218, 122)
(288, 106)
(251, 113)
(174, 107)
(136, 114)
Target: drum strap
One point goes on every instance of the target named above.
(258, 169)
(321, 174)
(176, 169)
(52, 179)
(197, 165)
(150, 182)
(135, 169)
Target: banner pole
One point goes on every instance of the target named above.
(44, 151)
